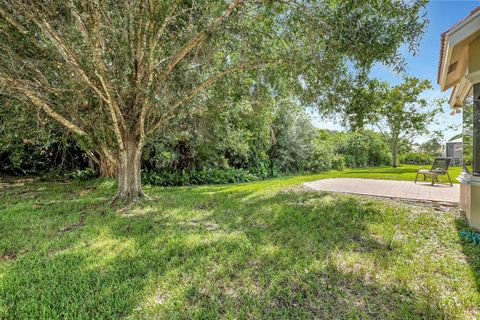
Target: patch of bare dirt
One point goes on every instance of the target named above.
(8, 256)
(435, 205)
(210, 226)
(9, 182)
(72, 226)
(84, 191)
(204, 206)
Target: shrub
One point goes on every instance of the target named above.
(416, 158)
(294, 136)
(338, 162)
(324, 158)
(357, 149)
(197, 177)
(378, 150)
(263, 170)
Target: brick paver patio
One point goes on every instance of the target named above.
(389, 188)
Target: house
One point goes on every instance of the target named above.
(454, 149)
(459, 70)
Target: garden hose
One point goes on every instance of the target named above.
(471, 236)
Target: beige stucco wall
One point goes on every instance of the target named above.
(470, 202)
(465, 199)
(475, 207)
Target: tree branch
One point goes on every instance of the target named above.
(115, 112)
(152, 47)
(199, 37)
(192, 93)
(41, 104)
(66, 53)
(12, 21)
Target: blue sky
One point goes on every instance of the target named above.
(442, 16)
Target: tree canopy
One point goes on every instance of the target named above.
(115, 72)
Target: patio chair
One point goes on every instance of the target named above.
(439, 168)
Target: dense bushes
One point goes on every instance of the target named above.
(29, 144)
(364, 149)
(228, 145)
(352, 150)
(325, 157)
(300, 148)
(197, 177)
(416, 158)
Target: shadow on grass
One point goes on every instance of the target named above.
(213, 252)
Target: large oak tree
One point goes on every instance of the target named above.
(113, 72)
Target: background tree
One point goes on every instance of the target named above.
(356, 104)
(114, 72)
(404, 113)
(293, 138)
(435, 144)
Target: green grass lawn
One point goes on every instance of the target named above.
(266, 250)
(403, 172)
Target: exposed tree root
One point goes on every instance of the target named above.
(129, 198)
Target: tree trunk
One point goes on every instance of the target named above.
(128, 173)
(394, 155)
(107, 167)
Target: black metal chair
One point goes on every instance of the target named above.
(439, 168)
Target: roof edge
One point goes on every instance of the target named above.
(443, 38)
